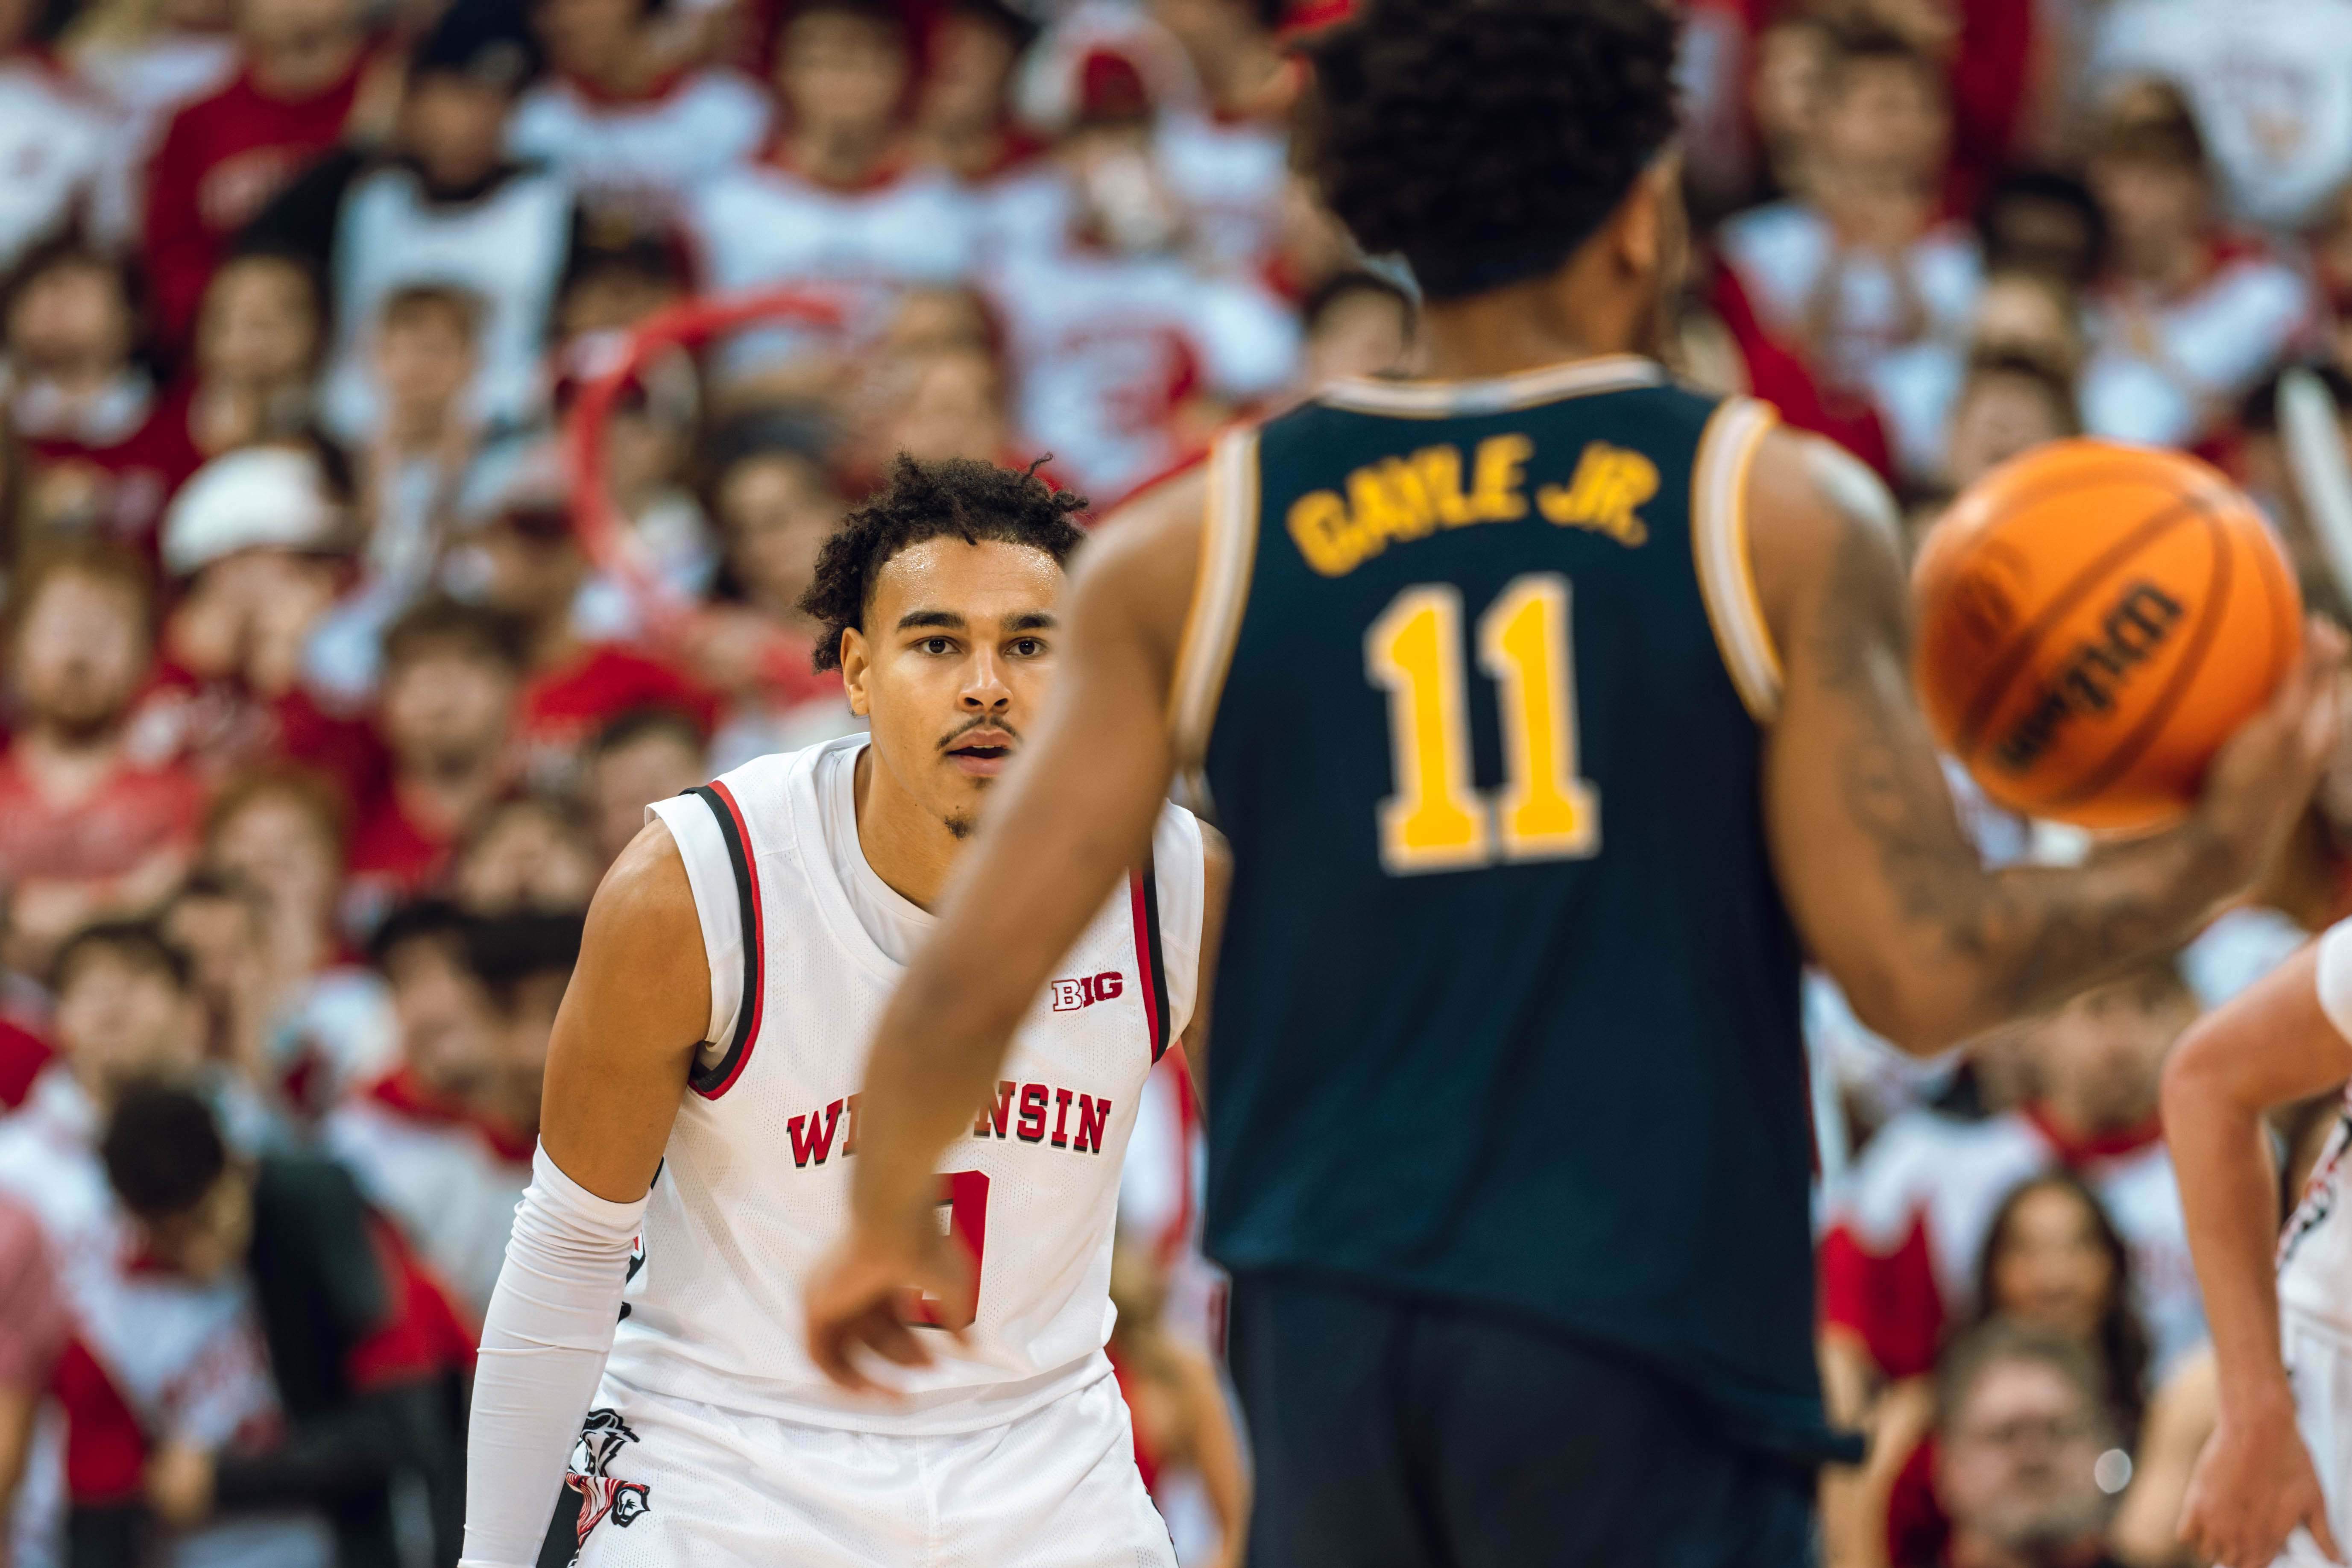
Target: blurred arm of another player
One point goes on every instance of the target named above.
(2275, 1042)
(1931, 947)
(635, 1013)
(1071, 818)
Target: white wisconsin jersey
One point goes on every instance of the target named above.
(2316, 1249)
(755, 1183)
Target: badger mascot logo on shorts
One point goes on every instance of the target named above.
(602, 1497)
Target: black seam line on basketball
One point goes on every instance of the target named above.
(1159, 965)
(2191, 660)
(2026, 645)
(2023, 648)
(703, 1080)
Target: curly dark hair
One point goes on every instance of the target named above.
(1485, 140)
(954, 496)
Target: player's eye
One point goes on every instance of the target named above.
(937, 645)
(1027, 648)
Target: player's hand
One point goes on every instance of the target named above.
(2263, 775)
(2253, 1485)
(869, 1291)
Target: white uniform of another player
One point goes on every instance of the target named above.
(2314, 1285)
(714, 1439)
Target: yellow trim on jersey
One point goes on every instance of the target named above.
(1502, 394)
(1220, 594)
(1727, 578)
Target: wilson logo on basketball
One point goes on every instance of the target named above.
(2087, 682)
(1069, 995)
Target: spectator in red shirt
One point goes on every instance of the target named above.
(32, 1331)
(86, 829)
(107, 450)
(2022, 1432)
(446, 714)
(575, 682)
(225, 156)
(637, 759)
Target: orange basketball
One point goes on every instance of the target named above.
(2094, 620)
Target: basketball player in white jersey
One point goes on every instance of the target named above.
(2274, 1483)
(710, 1049)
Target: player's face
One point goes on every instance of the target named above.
(958, 650)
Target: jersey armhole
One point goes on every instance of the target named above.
(733, 1029)
(1720, 547)
(2334, 976)
(1221, 586)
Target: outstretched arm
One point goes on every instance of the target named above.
(638, 1005)
(1074, 814)
(1930, 947)
(2274, 1044)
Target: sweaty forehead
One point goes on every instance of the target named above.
(980, 582)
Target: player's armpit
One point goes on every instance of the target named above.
(1886, 889)
(632, 1017)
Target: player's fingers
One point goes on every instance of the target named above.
(886, 1333)
(828, 1346)
(2314, 1520)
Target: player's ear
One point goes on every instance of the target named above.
(857, 665)
(1648, 222)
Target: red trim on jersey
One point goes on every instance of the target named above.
(1147, 959)
(756, 935)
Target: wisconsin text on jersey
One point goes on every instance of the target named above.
(813, 1134)
(1406, 498)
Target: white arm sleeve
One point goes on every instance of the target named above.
(2336, 976)
(544, 1340)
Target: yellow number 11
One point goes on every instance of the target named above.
(1437, 820)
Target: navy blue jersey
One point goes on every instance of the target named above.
(1474, 681)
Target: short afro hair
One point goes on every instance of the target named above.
(953, 497)
(162, 1150)
(1485, 140)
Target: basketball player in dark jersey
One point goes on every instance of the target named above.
(1554, 713)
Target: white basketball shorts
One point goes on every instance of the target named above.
(2319, 1366)
(666, 1484)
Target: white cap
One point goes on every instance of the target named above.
(256, 497)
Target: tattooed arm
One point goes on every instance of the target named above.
(1890, 896)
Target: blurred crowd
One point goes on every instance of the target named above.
(340, 662)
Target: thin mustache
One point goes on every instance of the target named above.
(959, 734)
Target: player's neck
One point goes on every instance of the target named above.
(907, 845)
(1527, 326)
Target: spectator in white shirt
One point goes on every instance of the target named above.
(1865, 264)
(619, 120)
(2270, 83)
(2187, 317)
(839, 202)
